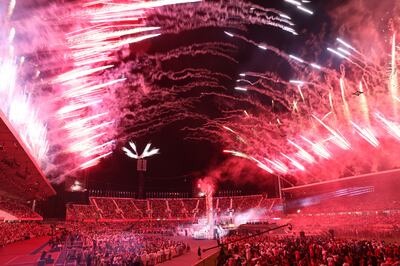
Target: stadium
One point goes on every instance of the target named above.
(196, 132)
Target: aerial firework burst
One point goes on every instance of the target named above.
(86, 91)
(323, 123)
(15, 98)
(104, 82)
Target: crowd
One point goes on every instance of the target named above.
(224, 204)
(247, 202)
(177, 208)
(117, 244)
(155, 227)
(200, 210)
(313, 250)
(13, 232)
(152, 242)
(109, 209)
(184, 208)
(159, 208)
(358, 204)
(360, 225)
(17, 209)
(163, 228)
(128, 208)
(190, 206)
(82, 212)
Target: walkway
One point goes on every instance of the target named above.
(23, 252)
(191, 258)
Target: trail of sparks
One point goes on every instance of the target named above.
(107, 27)
(15, 98)
(105, 95)
(304, 144)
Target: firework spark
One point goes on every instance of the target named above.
(301, 142)
(102, 93)
(15, 98)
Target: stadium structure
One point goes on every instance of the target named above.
(199, 132)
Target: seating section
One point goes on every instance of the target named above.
(107, 208)
(18, 209)
(271, 205)
(177, 208)
(128, 208)
(163, 209)
(158, 208)
(82, 212)
(348, 224)
(141, 205)
(201, 208)
(224, 203)
(248, 202)
(190, 206)
(339, 204)
(17, 231)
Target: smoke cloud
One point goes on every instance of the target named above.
(366, 22)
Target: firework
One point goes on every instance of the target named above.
(300, 141)
(102, 93)
(96, 82)
(15, 98)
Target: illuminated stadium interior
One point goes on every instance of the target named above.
(199, 132)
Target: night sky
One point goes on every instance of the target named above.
(181, 161)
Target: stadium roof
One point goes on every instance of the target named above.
(395, 173)
(20, 176)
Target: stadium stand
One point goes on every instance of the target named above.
(16, 231)
(200, 207)
(125, 209)
(222, 204)
(107, 207)
(158, 208)
(143, 207)
(20, 175)
(128, 208)
(82, 212)
(190, 206)
(18, 209)
(177, 208)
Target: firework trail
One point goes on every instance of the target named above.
(15, 86)
(228, 14)
(324, 123)
(321, 125)
(98, 83)
(84, 87)
(104, 28)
